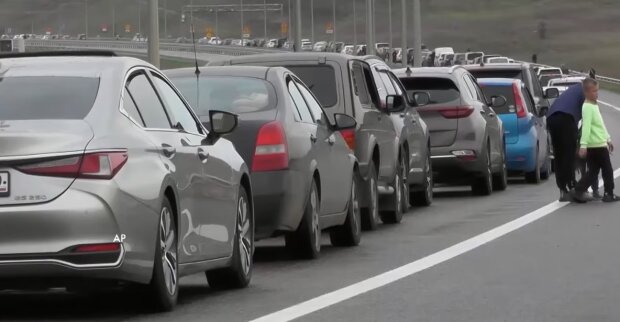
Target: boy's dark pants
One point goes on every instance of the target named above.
(598, 160)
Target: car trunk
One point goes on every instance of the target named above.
(47, 142)
(507, 112)
(444, 96)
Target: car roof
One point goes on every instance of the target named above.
(77, 66)
(234, 71)
(426, 71)
(501, 66)
(498, 81)
(301, 56)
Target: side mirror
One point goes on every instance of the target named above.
(394, 103)
(498, 101)
(421, 98)
(552, 93)
(221, 123)
(343, 122)
(542, 111)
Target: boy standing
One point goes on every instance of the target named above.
(595, 146)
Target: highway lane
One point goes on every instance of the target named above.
(480, 283)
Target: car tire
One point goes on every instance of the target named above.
(395, 214)
(239, 273)
(483, 186)
(500, 180)
(305, 242)
(547, 167)
(370, 214)
(534, 177)
(405, 202)
(164, 286)
(349, 233)
(424, 197)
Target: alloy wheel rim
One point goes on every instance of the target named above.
(168, 245)
(316, 230)
(373, 200)
(405, 189)
(489, 171)
(429, 179)
(244, 233)
(397, 192)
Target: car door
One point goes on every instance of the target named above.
(336, 184)
(538, 123)
(493, 122)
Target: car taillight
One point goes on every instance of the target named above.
(521, 112)
(271, 152)
(456, 112)
(99, 165)
(349, 137)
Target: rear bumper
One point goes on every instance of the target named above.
(36, 241)
(521, 157)
(279, 199)
(448, 168)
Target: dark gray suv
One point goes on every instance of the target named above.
(390, 142)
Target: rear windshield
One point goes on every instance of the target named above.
(440, 90)
(321, 80)
(549, 72)
(567, 84)
(501, 90)
(237, 95)
(544, 80)
(474, 55)
(505, 73)
(47, 97)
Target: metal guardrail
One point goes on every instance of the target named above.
(134, 45)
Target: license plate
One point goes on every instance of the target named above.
(4, 184)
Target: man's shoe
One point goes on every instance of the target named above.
(579, 197)
(565, 196)
(596, 195)
(610, 197)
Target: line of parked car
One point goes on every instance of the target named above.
(135, 177)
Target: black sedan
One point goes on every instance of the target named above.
(303, 173)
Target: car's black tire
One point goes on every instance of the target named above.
(164, 286)
(546, 170)
(349, 233)
(239, 273)
(483, 185)
(370, 214)
(305, 242)
(424, 197)
(500, 179)
(394, 214)
(405, 202)
(534, 177)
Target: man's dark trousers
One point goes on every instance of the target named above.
(564, 133)
(598, 160)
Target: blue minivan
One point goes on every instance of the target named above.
(528, 150)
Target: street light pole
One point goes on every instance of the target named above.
(334, 18)
(370, 29)
(417, 33)
(390, 21)
(297, 25)
(312, 20)
(242, 24)
(354, 26)
(217, 23)
(405, 52)
(113, 2)
(86, 18)
(265, 13)
(140, 18)
(153, 40)
(165, 18)
(290, 33)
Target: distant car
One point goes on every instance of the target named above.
(484, 58)
(549, 71)
(337, 47)
(215, 41)
(382, 50)
(498, 60)
(397, 55)
(390, 142)
(319, 46)
(460, 59)
(441, 51)
(304, 175)
(471, 57)
(447, 60)
(467, 137)
(562, 84)
(361, 50)
(98, 148)
(306, 46)
(348, 50)
(236, 42)
(528, 149)
(273, 43)
(228, 42)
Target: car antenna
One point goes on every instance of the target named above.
(197, 71)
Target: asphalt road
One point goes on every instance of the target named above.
(563, 267)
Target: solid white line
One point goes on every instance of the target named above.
(329, 299)
(612, 106)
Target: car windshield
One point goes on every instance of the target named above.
(237, 95)
(440, 90)
(506, 91)
(321, 80)
(47, 97)
(474, 55)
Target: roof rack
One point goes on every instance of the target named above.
(60, 53)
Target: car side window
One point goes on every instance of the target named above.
(300, 104)
(315, 108)
(536, 83)
(529, 101)
(478, 90)
(130, 107)
(359, 84)
(470, 90)
(180, 112)
(147, 101)
(387, 83)
(373, 88)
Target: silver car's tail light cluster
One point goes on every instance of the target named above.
(98, 165)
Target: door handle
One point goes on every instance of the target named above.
(331, 140)
(313, 138)
(168, 150)
(203, 155)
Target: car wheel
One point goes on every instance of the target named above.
(483, 186)
(164, 286)
(350, 232)
(534, 176)
(239, 273)
(405, 189)
(305, 242)
(424, 197)
(370, 214)
(546, 168)
(500, 180)
(395, 213)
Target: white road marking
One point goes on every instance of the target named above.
(609, 105)
(337, 296)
